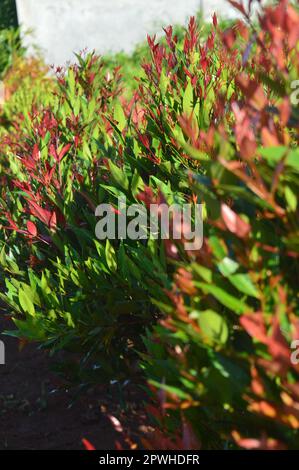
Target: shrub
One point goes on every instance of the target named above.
(8, 14)
(77, 293)
(11, 49)
(212, 121)
(221, 355)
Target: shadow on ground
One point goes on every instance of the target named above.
(37, 411)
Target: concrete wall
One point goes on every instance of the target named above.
(63, 26)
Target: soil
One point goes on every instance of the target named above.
(39, 411)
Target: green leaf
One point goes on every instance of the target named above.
(218, 247)
(26, 302)
(3, 261)
(274, 154)
(193, 152)
(244, 284)
(205, 273)
(232, 303)
(119, 116)
(168, 388)
(188, 99)
(77, 105)
(6, 300)
(293, 159)
(290, 198)
(133, 269)
(227, 266)
(110, 256)
(31, 329)
(119, 176)
(164, 81)
(71, 82)
(136, 184)
(213, 326)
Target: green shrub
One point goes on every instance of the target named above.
(8, 14)
(78, 293)
(10, 49)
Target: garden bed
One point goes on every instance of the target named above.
(209, 126)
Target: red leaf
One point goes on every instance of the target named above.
(64, 151)
(76, 140)
(144, 140)
(118, 446)
(215, 21)
(263, 443)
(53, 152)
(189, 440)
(238, 6)
(31, 227)
(35, 152)
(115, 423)
(252, 90)
(233, 222)
(277, 344)
(269, 138)
(254, 324)
(87, 445)
(44, 215)
(53, 221)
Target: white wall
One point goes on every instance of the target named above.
(63, 26)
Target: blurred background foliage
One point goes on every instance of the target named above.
(10, 43)
(8, 14)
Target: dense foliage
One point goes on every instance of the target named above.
(8, 14)
(212, 119)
